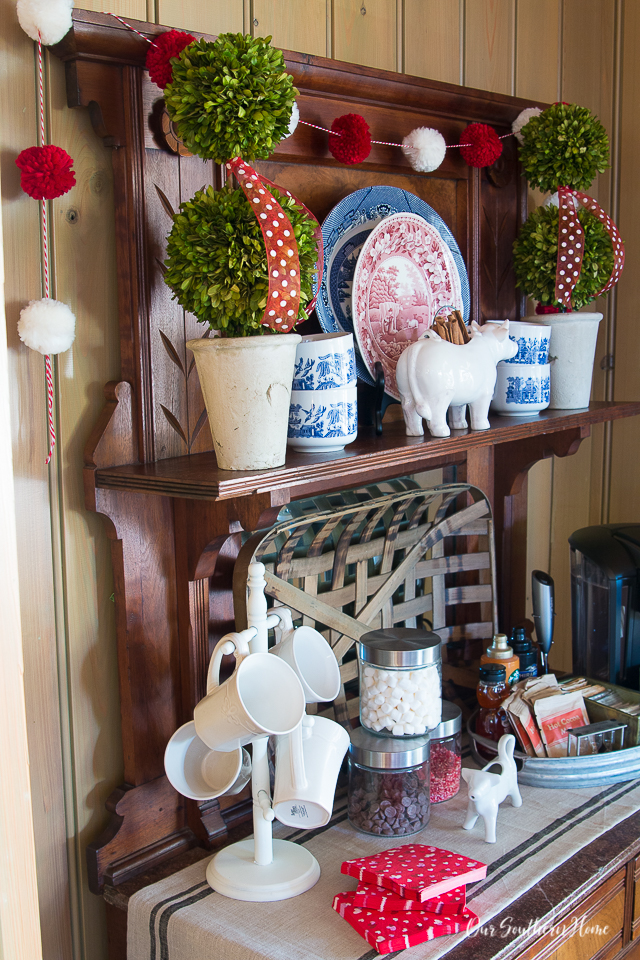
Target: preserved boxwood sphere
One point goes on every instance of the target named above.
(535, 255)
(230, 98)
(217, 262)
(564, 146)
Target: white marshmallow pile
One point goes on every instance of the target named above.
(406, 702)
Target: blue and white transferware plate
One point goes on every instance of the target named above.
(344, 233)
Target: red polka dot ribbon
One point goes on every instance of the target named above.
(571, 243)
(283, 305)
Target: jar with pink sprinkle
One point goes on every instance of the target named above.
(446, 754)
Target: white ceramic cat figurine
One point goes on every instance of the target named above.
(487, 790)
(433, 375)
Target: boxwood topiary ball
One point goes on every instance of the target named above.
(535, 255)
(564, 146)
(217, 262)
(230, 98)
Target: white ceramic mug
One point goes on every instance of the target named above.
(262, 697)
(310, 656)
(307, 766)
(197, 772)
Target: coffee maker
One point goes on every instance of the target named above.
(605, 603)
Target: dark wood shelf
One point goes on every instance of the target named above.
(369, 458)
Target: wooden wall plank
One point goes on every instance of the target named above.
(136, 9)
(625, 490)
(370, 37)
(537, 62)
(432, 40)
(489, 45)
(20, 936)
(83, 240)
(212, 16)
(293, 26)
(588, 79)
(20, 220)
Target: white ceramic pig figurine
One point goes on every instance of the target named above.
(433, 375)
(487, 790)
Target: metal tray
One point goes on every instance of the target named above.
(564, 772)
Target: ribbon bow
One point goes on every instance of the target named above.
(283, 263)
(571, 244)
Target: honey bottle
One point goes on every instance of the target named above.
(501, 653)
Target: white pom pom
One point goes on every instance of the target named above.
(554, 201)
(50, 18)
(293, 123)
(425, 149)
(522, 120)
(47, 326)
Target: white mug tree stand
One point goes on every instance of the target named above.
(261, 869)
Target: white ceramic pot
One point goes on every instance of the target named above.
(323, 420)
(522, 389)
(571, 353)
(246, 384)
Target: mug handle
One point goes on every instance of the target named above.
(286, 623)
(237, 643)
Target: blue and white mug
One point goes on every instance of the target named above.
(325, 361)
(323, 420)
(521, 389)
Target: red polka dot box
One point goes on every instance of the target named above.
(416, 871)
(398, 930)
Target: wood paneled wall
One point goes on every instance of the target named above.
(543, 49)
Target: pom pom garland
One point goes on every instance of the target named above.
(47, 326)
(167, 45)
(425, 149)
(295, 120)
(522, 120)
(45, 172)
(47, 20)
(480, 145)
(350, 138)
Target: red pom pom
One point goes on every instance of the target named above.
(167, 45)
(45, 172)
(482, 147)
(353, 143)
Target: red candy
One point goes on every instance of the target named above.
(445, 773)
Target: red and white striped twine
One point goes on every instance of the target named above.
(128, 25)
(387, 143)
(48, 372)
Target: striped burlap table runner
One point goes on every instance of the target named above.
(181, 918)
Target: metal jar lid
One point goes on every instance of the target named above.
(387, 753)
(450, 724)
(399, 647)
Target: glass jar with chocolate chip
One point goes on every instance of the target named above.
(388, 784)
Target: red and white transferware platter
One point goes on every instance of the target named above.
(405, 277)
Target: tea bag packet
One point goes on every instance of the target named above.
(450, 904)
(524, 725)
(416, 871)
(555, 716)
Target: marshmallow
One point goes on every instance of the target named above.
(404, 702)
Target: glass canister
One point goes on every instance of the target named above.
(446, 754)
(400, 681)
(388, 784)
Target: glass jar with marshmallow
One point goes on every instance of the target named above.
(400, 681)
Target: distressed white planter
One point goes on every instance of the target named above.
(246, 384)
(571, 353)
